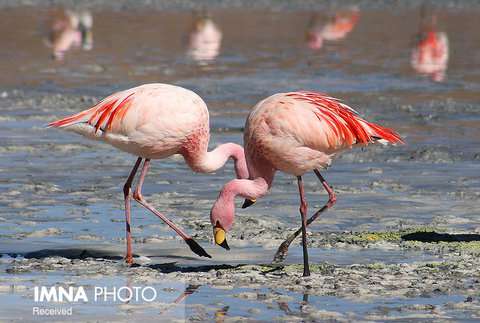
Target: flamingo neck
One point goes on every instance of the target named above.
(246, 188)
(223, 210)
(203, 161)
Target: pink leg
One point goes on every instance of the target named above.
(303, 212)
(137, 196)
(127, 193)
(282, 251)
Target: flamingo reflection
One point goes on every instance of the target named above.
(430, 52)
(70, 29)
(189, 290)
(336, 28)
(205, 40)
(282, 305)
(220, 314)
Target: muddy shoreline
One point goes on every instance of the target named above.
(433, 288)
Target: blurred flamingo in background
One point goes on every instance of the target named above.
(155, 121)
(336, 28)
(430, 52)
(70, 29)
(205, 40)
(295, 133)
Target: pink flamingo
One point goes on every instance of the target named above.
(70, 29)
(205, 40)
(337, 28)
(295, 133)
(430, 53)
(154, 121)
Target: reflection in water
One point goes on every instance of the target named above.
(70, 29)
(286, 308)
(205, 40)
(337, 27)
(220, 314)
(189, 290)
(430, 52)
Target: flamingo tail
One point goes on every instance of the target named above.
(101, 116)
(384, 135)
(71, 120)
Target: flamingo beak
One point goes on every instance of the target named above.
(248, 202)
(220, 237)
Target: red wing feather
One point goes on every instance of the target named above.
(344, 121)
(121, 106)
(101, 116)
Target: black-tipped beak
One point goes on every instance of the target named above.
(220, 237)
(248, 203)
(224, 245)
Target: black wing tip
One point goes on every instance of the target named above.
(196, 248)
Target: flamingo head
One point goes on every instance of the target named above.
(221, 217)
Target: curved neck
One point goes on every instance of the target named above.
(204, 161)
(223, 210)
(247, 188)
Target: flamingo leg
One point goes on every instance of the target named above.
(282, 251)
(127, 194)
(137, 196)
(303, 212)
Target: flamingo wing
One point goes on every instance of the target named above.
(344, 122)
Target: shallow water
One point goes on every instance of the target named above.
(60, 190)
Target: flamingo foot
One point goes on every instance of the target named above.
(129, 260)
(196, 248)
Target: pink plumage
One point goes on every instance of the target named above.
(344, 122)
(154, 121)
(430, 53)
(295, 133)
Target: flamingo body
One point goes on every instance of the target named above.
(342, 24)
(430, 55)
(336, 28)
(151, 121)
(70, 29)
(205, 40)
(300, 131)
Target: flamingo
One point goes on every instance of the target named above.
(155, 121)
(205, 40)
(70, 29)
(341, 24)
(337, 28)
(293, 132)
(430, 53)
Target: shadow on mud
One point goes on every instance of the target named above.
(110, 255)
(73, 254)
(173, 267)
(440, 237)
